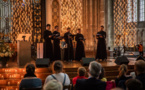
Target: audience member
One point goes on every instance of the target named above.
(133, 84)
(30, 80)
(122, 77)
(140, 71)
(93, 82)
(101, 77)
(58, 75)
(53, 85)
(81, 74)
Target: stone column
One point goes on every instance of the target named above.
(143, 39)
(110, 25)
(49, 12)
(91, 24)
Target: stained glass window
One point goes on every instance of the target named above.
(142, 10)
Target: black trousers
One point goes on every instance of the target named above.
(141, 53)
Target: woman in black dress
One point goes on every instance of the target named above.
(101, 47)
(80, 46)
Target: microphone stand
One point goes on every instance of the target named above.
(94, 46)
(69, 46)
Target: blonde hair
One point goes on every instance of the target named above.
(53, 85)
(122, 70)
(140, 66)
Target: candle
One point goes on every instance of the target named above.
(2, 77)
(18, 83)
(16, 71)
(8, 83)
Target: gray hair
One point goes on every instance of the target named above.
(95, 68)
(53, 85)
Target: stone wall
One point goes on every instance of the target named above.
(93, 16)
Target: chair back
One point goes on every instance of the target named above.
(68, 87)
(32, 89)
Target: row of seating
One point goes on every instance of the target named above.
(10, 78)
(13, 82)
(9, 87)
(44, 75)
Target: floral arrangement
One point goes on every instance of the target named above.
(5, 50)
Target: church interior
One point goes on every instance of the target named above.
(22, 37)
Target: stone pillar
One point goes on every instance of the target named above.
(49, 12)
(143, 39)
(91, 23)
(110, 25)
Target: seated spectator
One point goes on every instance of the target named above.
(30, 80)
(140, 71)
(122, 77)
(81, 74)
(53, 85)
(101, 77)
(58, 75)
(93, 82)
(133, 84)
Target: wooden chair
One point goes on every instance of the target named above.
(32, 89)
(68, 87)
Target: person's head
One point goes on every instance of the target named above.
(68, 29)
(102, 28)
(78, 30)
(140, 43)
(122, 70)
(133, 84)
(94, 69)
(56, 28)
(48, 26)
(53, 85)
(81, 71)
(30, 69)
(102, 73)
(139, 67)
(57, 67)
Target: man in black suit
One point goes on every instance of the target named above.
(48, 48)
(140, 71)
(93, 82)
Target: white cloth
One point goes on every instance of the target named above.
(59, 77)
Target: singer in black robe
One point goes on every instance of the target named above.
(48, 48)
(80, 46)
(69, 55)
(56, 44)
(101, 47)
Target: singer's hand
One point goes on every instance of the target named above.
(59, 38)
(101, 36)
(50, 36)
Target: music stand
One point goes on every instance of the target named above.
(23, 37)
